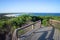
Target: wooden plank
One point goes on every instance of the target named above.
(56, 35)
(45, 33)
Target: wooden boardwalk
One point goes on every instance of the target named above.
(44, 33)
(38, 33)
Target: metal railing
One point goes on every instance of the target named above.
(26, 32)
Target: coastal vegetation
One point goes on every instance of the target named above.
(9, 24)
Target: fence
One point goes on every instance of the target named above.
(26, 32)
(55, 23)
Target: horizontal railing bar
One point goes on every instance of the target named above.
(54, 21)
(23, 27)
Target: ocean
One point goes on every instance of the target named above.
(43, 14)
(32, 14)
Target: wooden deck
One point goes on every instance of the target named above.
(38, 32)
(44, 33)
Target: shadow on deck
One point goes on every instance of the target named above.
(50, 37)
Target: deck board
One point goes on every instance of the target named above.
(45, 33)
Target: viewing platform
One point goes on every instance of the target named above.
(36, 31)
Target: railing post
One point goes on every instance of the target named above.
(40, 23)
(14, 36)
(50, 21)
(32, 26)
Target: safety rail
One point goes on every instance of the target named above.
(55, 23)
(26, 32)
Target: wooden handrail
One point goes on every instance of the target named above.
(27, 25)
(54, 21)
(15, 33)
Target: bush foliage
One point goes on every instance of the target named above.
(9, 24)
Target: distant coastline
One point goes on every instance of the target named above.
(33, 14)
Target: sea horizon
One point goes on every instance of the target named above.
(32, 14)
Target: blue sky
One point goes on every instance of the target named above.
(40, 6)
